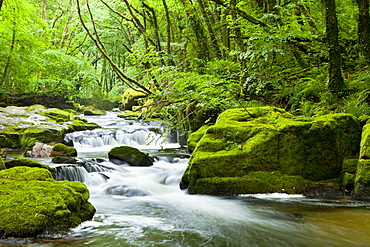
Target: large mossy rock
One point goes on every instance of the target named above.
(91, 111)
(271, 139)
(16, 162)
(131, 98)
(32, 135)
(32, 202)
(130, 155)
(362, 179)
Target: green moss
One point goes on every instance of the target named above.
(31, 202)
(229, 186)
(2, 164)
(26, 162)
(348, 181)
(9, 139)
(240, 142)
(60, 149)
(130, 155)
(130, 114)
(33, 135)
(362, 180)
(365, 142)
(79, 125)
(91, 111)
(255, 182)
(349, 165)
(58, 116)
(195, 137)
(130, 98)
(64, 160)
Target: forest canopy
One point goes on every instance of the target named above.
(192, 58)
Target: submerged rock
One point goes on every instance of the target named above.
(271, 139)
(130, 155)
(32, 202)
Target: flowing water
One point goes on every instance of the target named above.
(143, 206)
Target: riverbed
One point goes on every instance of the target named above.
(143, 206)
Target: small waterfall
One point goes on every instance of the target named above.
(72, 173)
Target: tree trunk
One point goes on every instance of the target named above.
(336, 82)
(1, 4)
(168, 31)
(8, 59)
(198, 30)
(364, 28)
(214, 41)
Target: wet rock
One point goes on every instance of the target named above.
(60, 149)
(123, 190)
(32, 202)
(39, 150)
(64, 160)
(2, 164)
(271, 139)
(130, 155)
(91, 111)
(362, 179)
(131, 98)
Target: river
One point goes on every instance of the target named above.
(143, 206)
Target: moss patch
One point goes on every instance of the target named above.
(91, 111)
(58, 116)
(26, 162)
(60, 149)
(254, 182)
(2, 164)
(130, 155)
(271, 139)
(80, 125)
(195, 137)
(32, 202)
(33, 135)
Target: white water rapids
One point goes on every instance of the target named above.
(143, 206)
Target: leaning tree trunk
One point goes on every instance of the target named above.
(336, 82)
(364, 28)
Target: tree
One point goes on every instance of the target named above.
(364, 28)
(336, 82)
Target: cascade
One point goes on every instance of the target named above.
(143, 206)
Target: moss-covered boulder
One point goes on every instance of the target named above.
(2, 164)
(130, 155)
(60, 149)
(59, 116)
(32, 135)
(130, 115)
(348, 174)
(91, 111)
(81, 125)
(195, 137)
(64, 160)
(27, 162)
(362, 179)
(271, 139)
(32, 202)
(131, 98)
(254, 182)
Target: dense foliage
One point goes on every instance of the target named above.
(192, 58)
